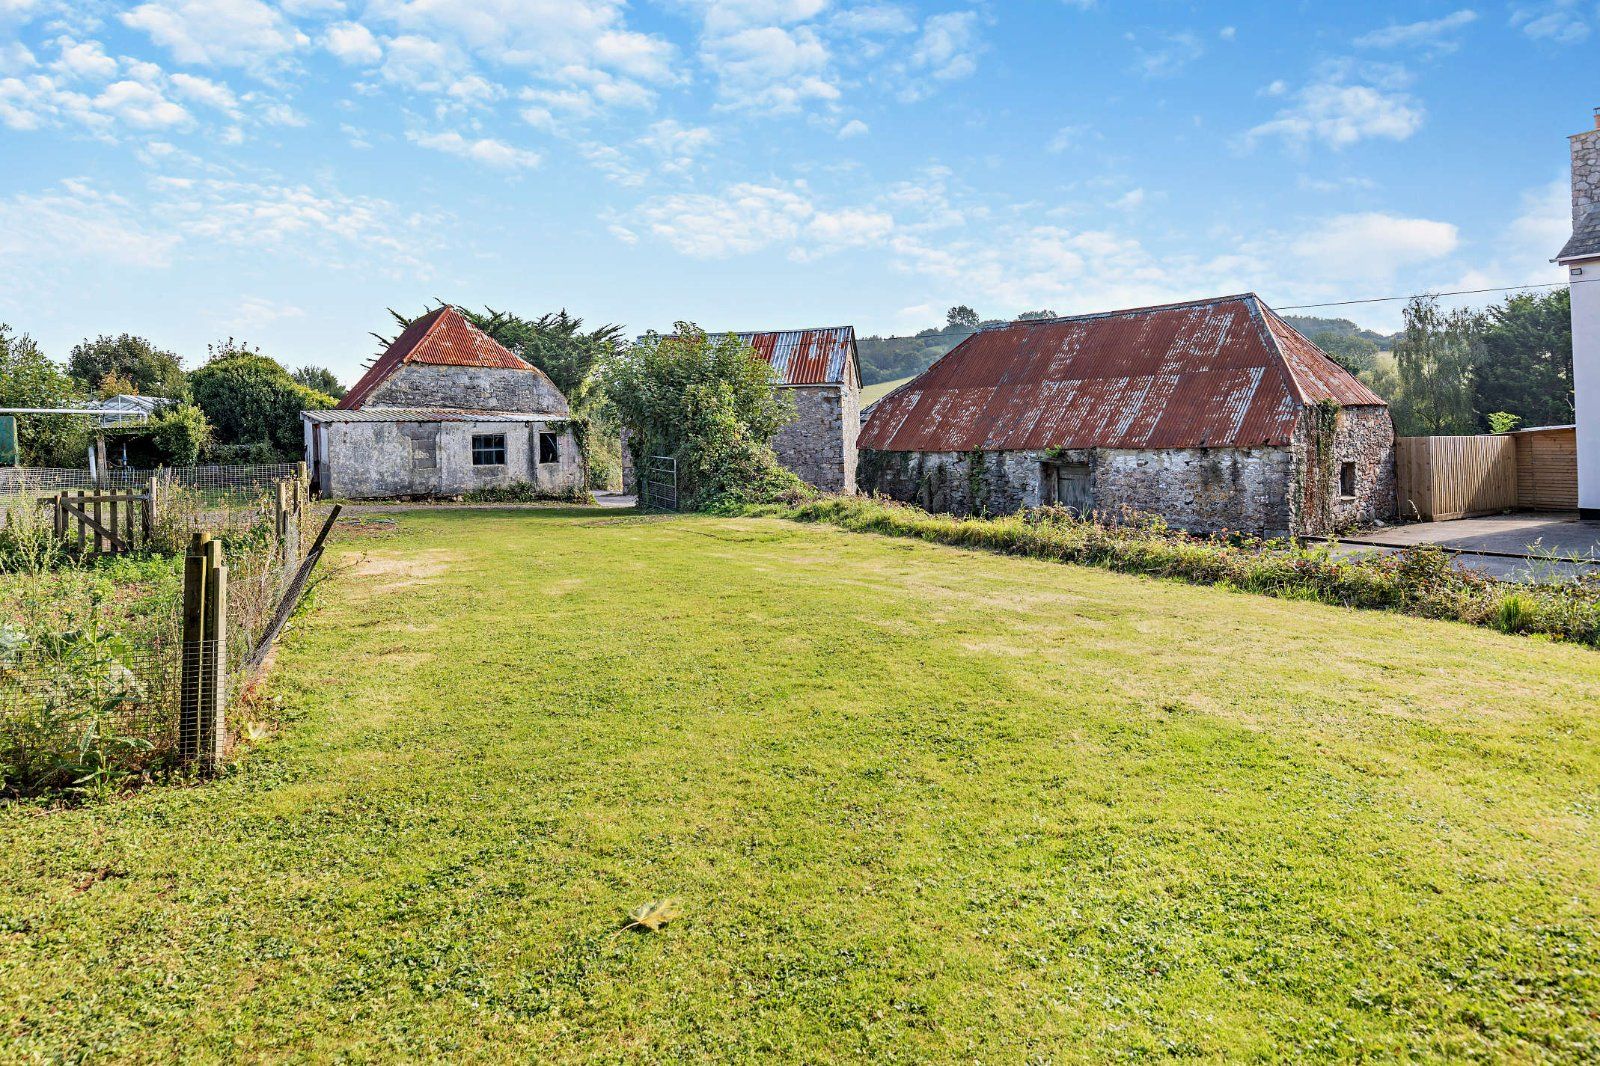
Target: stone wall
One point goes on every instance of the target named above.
(1200, 489)
(820, 443)
(378, 460)
(1585, 172)
(424, 385)
(1363, 436)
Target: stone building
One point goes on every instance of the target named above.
(1214, 414)
(443, 411)
(820, 370)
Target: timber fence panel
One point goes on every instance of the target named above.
(1443, 478)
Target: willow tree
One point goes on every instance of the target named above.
(1435, 355)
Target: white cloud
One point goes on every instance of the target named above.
(353, 43)
(1521, 252)
(1172, 53)
(1340, 114)
(1431, 32)
(84, 59)
(205, 91)
(1067, 137)
(771, 68)
(140, 105)
(854, 128)
(1373, 245)
(253, 313)
(76, 221)
(486, 150)
(1562, 21)
(246, 33)
(751, 217)
(947, 50)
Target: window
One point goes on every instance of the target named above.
(1347, 479)
(489, 449)
(549, 448)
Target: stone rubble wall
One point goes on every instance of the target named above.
(422, 385)
(1363, 436)
(382, 460)
(819, 444)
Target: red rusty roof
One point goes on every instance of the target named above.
(442, 337)
(1225, 372)
(807, 356)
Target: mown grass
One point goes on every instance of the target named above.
(917, 803)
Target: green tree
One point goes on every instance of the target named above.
(149, 370)
(252, 402)
(1526, 368)
(1350, 350)
(1434, 359)
(961, 317)
(1036, 316)
(707, 402)
(320, 379)
(29, 379)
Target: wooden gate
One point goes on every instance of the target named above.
(104, 521)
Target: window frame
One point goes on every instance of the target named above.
(483, 449)
(555, 447)
(1347, 480)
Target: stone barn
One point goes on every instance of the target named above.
(444, 410)
(820, 371)
(1214, 414)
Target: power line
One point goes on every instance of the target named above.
(1294, 307)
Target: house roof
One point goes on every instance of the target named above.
(1585, 239)
(431, 414)
(807, 356)
(442, 337)
(1223, 372)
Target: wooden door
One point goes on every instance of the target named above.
(1072, 486)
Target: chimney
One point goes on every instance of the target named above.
(1585, 169)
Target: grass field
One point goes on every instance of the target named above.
(917, 803)
(874, 393)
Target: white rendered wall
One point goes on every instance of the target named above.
(1586, 380)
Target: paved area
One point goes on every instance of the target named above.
(1520, 547)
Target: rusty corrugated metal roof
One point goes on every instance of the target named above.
(807, 356)
(1225, 372)
(442, 337)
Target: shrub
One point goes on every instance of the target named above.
(251, 400)
(526, 492)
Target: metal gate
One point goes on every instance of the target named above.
(661, 483)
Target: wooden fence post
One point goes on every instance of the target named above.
(202, 730)
(213, 708)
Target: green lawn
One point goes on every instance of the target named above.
(917, 803)
(874, 393)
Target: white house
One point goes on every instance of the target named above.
(1581, 257)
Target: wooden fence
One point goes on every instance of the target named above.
(99, 521)
(1442, 478)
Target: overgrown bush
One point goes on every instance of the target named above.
(711, 404)
(1418, 581)
(251, 400)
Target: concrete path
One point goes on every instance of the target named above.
(1517, 547)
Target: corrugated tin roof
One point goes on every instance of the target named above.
(442, 337)
(1585, 239)
(1225, 372)
(807, 356)
(430, 414)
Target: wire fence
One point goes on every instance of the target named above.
(46, 480)
(90, 695)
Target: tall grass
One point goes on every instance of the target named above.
(1418, 581)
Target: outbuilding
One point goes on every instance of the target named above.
(1214, 414)
(443, 411)
(820, 371)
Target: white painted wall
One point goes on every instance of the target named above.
(1586, 380)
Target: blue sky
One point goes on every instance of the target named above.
(282, 172)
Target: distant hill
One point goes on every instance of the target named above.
(873, 393)
(1339, 327)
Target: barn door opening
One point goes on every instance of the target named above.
(1069, 486)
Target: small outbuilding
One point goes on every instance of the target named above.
(443, 411)
(1214, 414)
(820, 370)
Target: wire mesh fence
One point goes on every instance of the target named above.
(45, 480)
